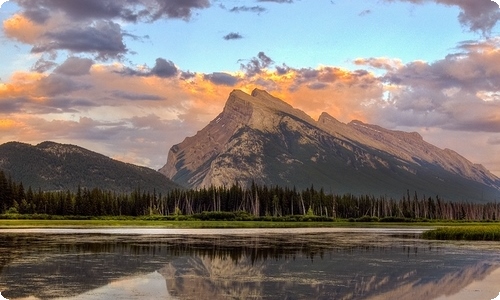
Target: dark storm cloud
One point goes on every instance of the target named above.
(254, 9)
(104, 39)
(477, 15)
(75, 66)
(233, 36)
(257, 64)
(163, 68)
(220, 78)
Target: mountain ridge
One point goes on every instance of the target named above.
(53, 166)
(258, 137)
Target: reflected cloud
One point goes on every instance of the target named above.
(150, 286)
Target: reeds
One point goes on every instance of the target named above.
(469, 233)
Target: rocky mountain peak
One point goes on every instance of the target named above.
(261, 138)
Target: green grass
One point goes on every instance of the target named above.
(152, 222)
(482, 232)
(164, 224)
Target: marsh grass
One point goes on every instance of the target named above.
(490, 232)
(187, 224)
(163, 224)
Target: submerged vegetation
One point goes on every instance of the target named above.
(257, 203)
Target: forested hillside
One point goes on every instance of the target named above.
(59, 167)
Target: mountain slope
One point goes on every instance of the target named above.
(53, 166)
(260, 138)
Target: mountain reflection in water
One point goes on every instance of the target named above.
(268, 266)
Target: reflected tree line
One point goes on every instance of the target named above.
(237, 203)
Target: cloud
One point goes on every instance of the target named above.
(257, 64)
(384, 63)
(365, 12)
(55, 84)
(43, 65)
(254, 9)
(459, 92)
(163, 68)
(181, 9)
(277, 1)
(479, 15)
(317, 85)
(75, 66)
(104, 38)
(112, 106)
(233, 36)
(221, 78)
(136, 96)
(22, 29)
(129, 11)
(91, 26)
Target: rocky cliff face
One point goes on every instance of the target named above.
(260, 138)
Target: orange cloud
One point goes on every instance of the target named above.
(344, 94)
(22, 29)
(7, 124)
(389, 64)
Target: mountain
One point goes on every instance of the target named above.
(52, 166)
(260, 138)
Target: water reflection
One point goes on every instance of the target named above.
(337, 265)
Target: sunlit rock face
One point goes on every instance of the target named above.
(262, 139)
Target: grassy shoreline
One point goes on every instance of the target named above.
(145, 222)
(465, 233)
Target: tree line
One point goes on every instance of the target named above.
(256, 201)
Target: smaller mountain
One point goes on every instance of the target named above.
(53, 166)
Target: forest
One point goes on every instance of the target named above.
(236, 202)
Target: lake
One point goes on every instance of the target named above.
(327, 263)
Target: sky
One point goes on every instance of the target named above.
(129, 79)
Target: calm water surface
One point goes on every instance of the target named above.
(138, 263)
